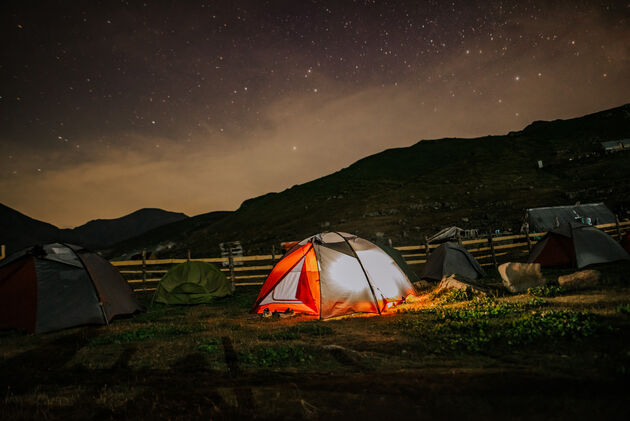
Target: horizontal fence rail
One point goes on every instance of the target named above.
(489, 251)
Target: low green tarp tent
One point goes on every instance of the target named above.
(192, 283)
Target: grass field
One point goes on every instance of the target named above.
(549, 354)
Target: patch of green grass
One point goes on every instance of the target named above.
(276, 356)
(551, 326)
(145, 333)
(210, 346)
(453, 296)
(546, 291)
(296, 332)
(160, 312)
(475, 325)
(624, 309)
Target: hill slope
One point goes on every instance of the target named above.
(407, 193)
(18, 230)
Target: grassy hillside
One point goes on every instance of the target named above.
(407, 193)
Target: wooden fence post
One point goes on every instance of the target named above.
(494, 255)
(529, 240)
(273, 253)
(2, 252)
(188, 255)
(618, 227)
(144, 271)
(231, 265)
(426, 247)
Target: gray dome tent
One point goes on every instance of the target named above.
(451, 259)
(57, 286)
(576, 245)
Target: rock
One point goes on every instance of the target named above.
(422, 285)
(582, 279)
(519, 277)
(459, 282)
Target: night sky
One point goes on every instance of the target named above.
(110, 106)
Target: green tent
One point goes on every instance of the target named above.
(192, 283)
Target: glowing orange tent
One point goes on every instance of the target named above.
(332, 274)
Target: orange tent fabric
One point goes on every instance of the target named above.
(333, 274)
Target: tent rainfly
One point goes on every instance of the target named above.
(625, 243)
(192, 282)
(451, 259)
(332, 274)
(548, 218)
(58, 286)
(577, 246)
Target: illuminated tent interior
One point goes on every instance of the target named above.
(333, 274)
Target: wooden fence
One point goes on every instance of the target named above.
(143, 275)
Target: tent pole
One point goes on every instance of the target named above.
(356, 256)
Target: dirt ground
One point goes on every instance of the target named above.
(555, 355)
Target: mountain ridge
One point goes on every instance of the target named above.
(19, 230)
(407, 193)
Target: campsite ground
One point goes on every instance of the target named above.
(546, 354)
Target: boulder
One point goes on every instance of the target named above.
(519, 277)
(459, 282)
(422, 285)
(582, 279)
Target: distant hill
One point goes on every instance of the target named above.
(407, 193)
(18, 230)
(100, 233)
(165, 237)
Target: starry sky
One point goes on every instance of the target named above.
(195, 106)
